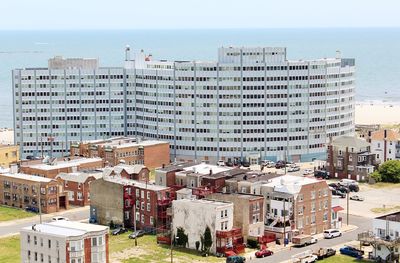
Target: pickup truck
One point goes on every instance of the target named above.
(324, 253)
(303, 240)
(304, 257)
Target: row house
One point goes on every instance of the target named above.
(52, 167)
(65, 241)
(296, 205)
(350, 158)
(385, 144)
(134, 172)
(193, 216)
(77, 185)
(123, 201)
(150, 153)
(27, 191)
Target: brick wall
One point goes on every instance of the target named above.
(156, 155)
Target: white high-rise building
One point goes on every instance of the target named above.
(251, 103)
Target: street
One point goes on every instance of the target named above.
(364, 224)
(13, 227)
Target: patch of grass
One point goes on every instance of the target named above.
(386, 209)
(150, 251)
(10, 213)
(384, 185)
(342, 259)
(10, 249)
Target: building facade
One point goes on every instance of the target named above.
(77, 186)
(350, 157)
(22, 191)
(65, 242)
(9, 154)
(385, 144)
(126, 150)
(251, 101)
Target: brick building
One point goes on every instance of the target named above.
(65, 241)
(130, 151)
(52, 168)
(248, 213)
(77, 186)
(296, 205)
(134, 172)
(350, 158)
(122, 200)
(22, 191)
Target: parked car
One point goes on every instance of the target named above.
(235, 259)
(331, 233)
(354, 188)
(334, 185)
(356, 198)
(280, 164)
(343, 189)
(338, 193)
(263, 253)
(221, 163)
(59, 218)
(245, 164)
(325, 253)
(307, 171)
(229, 163)
(118, 231)
(294, 169)
(347, 182)
(270, 164)
(351, 251)
(136, 234)
(321, 174)
(32, 209)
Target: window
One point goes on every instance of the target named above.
(148, 195)
(29, 254)
(29, 239)
(151, 220)
(222, 213)
(300, 210)
(325, 216)
(312, 194)
(137, 193)
(49, 259)
(142, 206)
(300, 197)
(35, 240)
(226, 213)
(312, 206)
(49, 243)
(142, 194)
(222, 225)
(148, 207)
(142, 219)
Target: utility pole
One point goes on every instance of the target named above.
(134, 222)
(348, 202)
(284, 220)
(40, 204)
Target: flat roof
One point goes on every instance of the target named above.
(125, 181)
(289, 183)
(28, 177)
(80, 177)
(239, 195)
(176, 166)
(66, 228)
(204, 169)
(203, 201)
(63, 164)
(393, 217)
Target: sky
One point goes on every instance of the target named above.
(186, 14)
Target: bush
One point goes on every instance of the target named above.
(389, 172)
(251, 243)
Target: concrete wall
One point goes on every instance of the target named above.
(107, 200)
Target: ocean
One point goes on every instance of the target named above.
(376, 50)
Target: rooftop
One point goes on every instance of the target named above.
(204, 168)
(28, 177)
(124, 142)
(195, 202)
(62, 164)
(393, 217)
(66, 228)
(381, 135)
(176, 166)
(125, 181)
(351, 142)
(238, 195)
(289, 183)
(80, 177)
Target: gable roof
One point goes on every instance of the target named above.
(391, 135)
(350, 141)
(79, 177)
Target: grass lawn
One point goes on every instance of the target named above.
(149, 251)
(383, 185)
(10, 213)
(9, 249)
(387, 209)
(342, 259)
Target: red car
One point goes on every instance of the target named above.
(264, 253)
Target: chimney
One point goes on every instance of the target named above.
(163, 165)
(210, 171)
(384, 134)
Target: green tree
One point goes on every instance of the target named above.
(207, 239)
(182, 239)
(389, 171)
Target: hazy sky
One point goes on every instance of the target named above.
(144, 14)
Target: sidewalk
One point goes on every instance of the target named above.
(44, 216)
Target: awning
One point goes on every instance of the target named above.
(337, 209)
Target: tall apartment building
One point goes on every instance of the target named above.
(65, 242)
(250, 102)
(130, 151)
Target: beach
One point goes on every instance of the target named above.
(377, 113)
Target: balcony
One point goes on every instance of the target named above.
(278, 229)
(202, 191)
(235, 232)
(164, 202)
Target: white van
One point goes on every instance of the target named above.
(331, 233)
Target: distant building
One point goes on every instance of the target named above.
(384, 238)
(248, 213)
(77, 185)
(121, 200)
(22, 191)
(296, 205)
(150, 153)
(65, 242)
(194, 216)
(53, 167)
(9, 154)
(385, 144)
(350, 158)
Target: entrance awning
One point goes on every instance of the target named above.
(337, 209)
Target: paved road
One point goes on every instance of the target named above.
(363, 224)
(7, 228)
